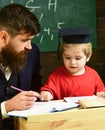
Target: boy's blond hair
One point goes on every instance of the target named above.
(86, 47)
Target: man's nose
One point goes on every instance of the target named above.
(28, 45)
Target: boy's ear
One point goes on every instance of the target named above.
(88, 58)
(4, 36)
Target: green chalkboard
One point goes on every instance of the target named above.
(57, 14)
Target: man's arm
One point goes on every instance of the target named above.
(36, 77)
(0, 120)
(30, 78)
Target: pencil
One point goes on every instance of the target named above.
(18, 89)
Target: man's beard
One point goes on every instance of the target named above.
(14, 60)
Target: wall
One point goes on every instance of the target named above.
(49, 60)
(98, 59)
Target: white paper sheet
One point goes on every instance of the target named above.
(75, 99)
(44, 107)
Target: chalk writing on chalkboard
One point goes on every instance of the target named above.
(57, 14)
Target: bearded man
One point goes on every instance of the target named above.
(19, 61)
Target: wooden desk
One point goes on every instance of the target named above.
(75, 119)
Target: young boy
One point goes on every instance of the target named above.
(74, 78)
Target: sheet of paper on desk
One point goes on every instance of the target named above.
(76, 99)
(43, 108)
(92, 102)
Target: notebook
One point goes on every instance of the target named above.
(43, 108)
(76, 99)
(92, 102)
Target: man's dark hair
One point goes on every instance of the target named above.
(15, 18)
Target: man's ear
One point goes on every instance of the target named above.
(4, 36)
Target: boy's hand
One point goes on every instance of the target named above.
(46, 96)
(100, 94)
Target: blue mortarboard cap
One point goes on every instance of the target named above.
(75, 35)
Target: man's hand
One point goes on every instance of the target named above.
(22, 101)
